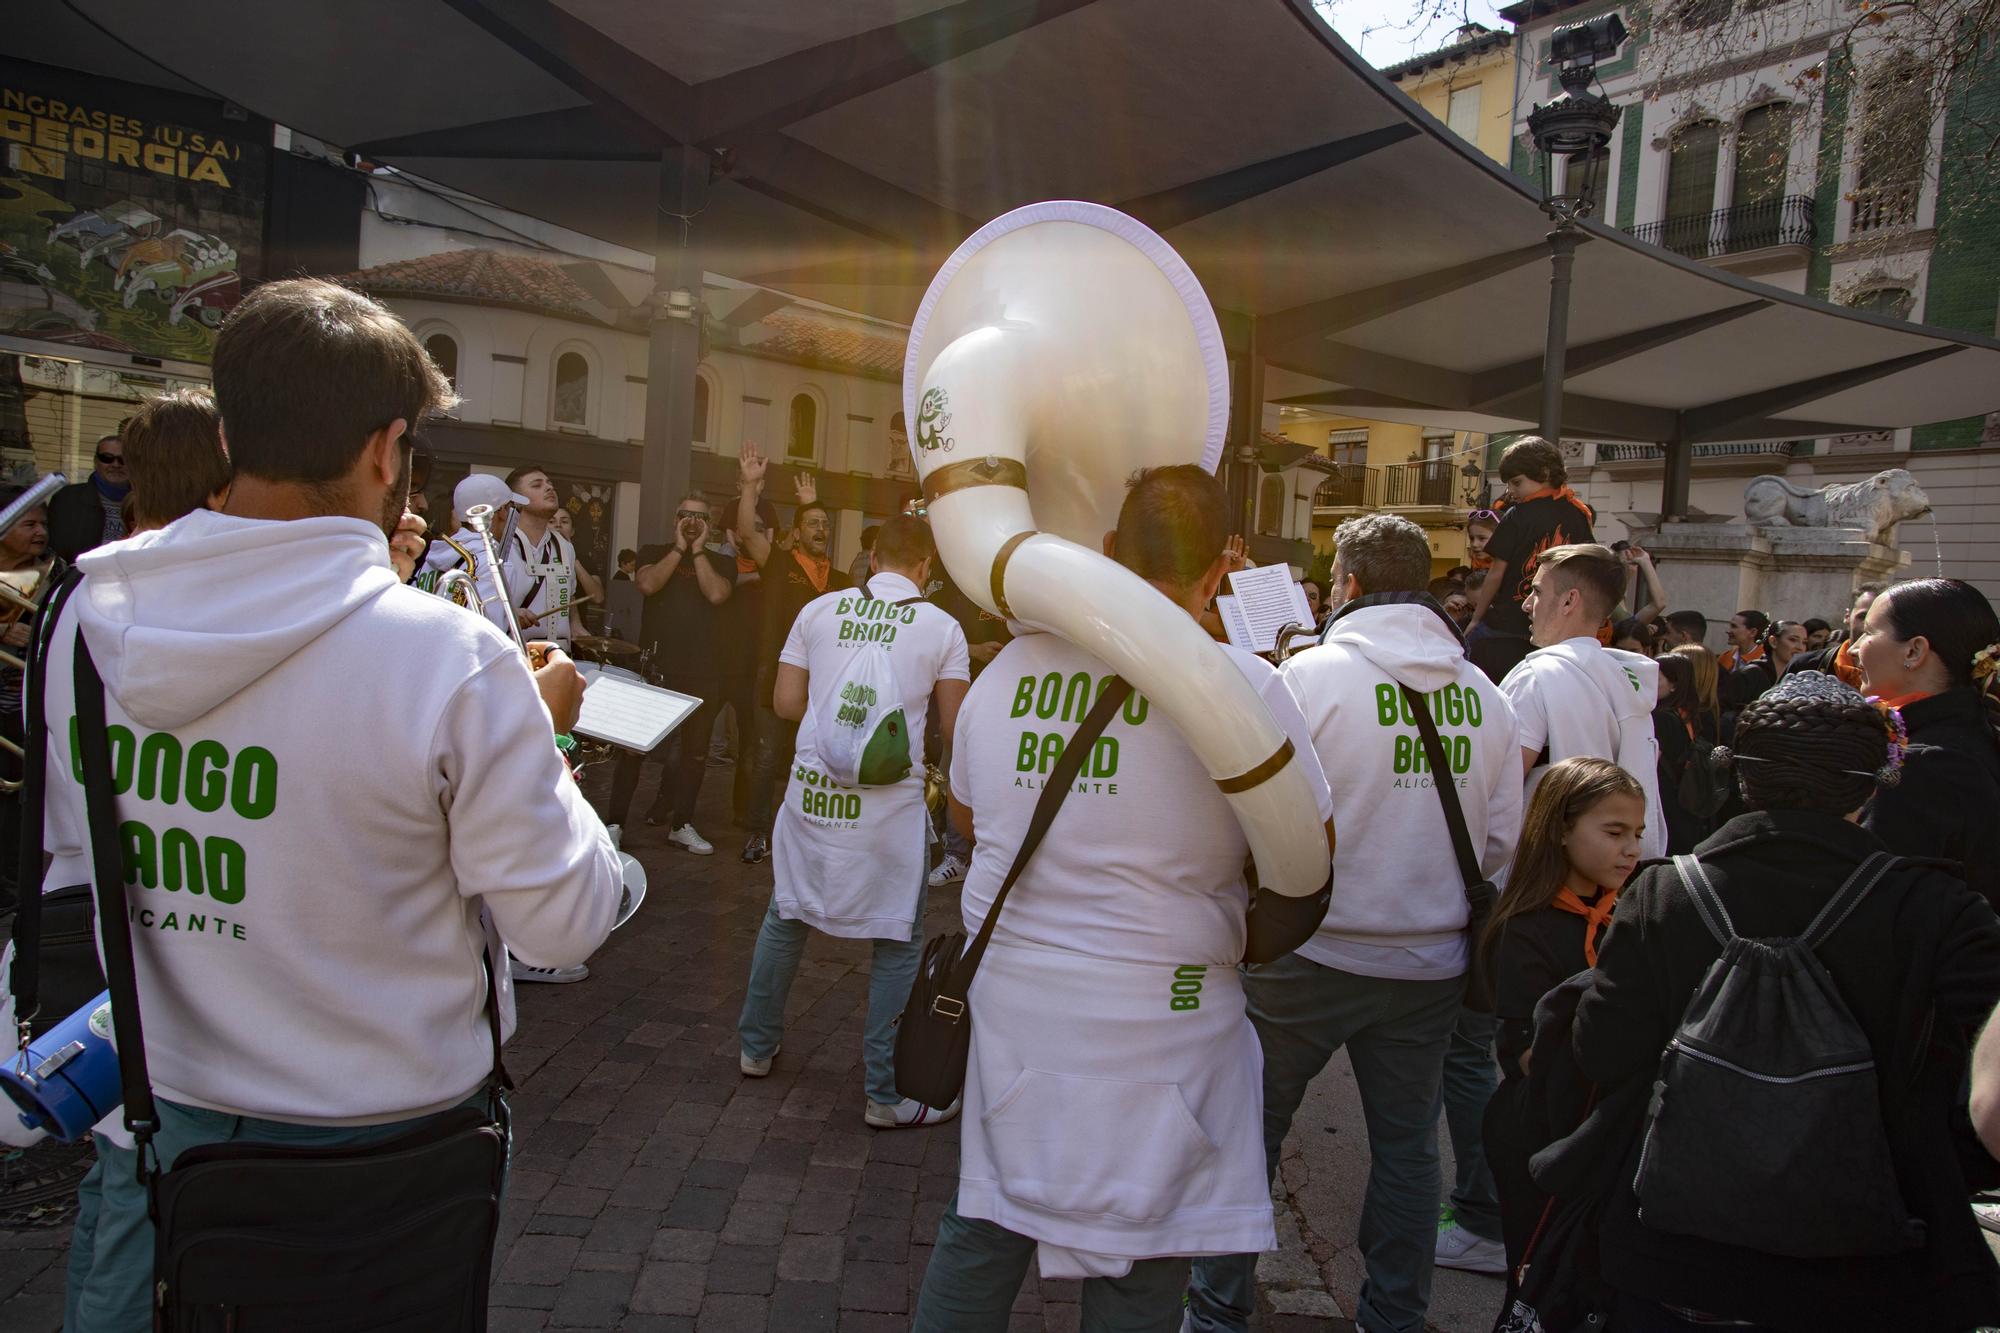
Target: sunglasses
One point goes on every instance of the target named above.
(683, 515)
(420, 460)
(1482, 516)
(110, 458)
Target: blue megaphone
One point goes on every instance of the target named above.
(67, 1079)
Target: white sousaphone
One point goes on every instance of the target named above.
(1063, 346)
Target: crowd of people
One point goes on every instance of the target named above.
(1504, 760)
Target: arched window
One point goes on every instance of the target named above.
(1895, 302)
(700, 433)
(570, 404)
(1271, 496)
(899, 447)
(1895, 141)
(1691, 187)
(1763, 146)
(802, 441)
(443, 352)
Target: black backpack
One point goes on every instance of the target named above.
(1765, 1128)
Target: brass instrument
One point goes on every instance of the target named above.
(480, 519)
(17, 591)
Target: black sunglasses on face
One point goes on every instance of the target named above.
(684, 514)
(110, 458)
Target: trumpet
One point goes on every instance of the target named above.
(480, 519)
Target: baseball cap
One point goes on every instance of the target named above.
(481, 488)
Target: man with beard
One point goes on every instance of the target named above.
(394, 778)
(788, 580)
(540, 562)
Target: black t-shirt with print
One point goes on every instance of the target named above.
(682, 627)
(785, 591)
(1526, 530)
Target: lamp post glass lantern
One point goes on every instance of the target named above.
(1575, 127)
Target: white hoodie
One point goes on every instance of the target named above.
(1581, 699)
(323, 776)
(1398, 897)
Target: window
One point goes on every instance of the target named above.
(900, 465)
(1895, 141)
(1271, 496)
(802, 441)
(1585, 176)
(1762, 147)
(1895, 302)
(1687, 14)
(1691, 170)
(700, 432)
(571, 404)
(1347, 446)
(443, 352)
(1437, 447)
(1461, 115)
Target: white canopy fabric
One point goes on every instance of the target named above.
(1374, 261)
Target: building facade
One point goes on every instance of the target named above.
(1746, 143)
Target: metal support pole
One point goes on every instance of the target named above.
(1677, 475)
(1562, 258)
(673, 348)
(1246, 427)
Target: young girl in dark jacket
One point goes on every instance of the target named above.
(1931, 650)
(1579, 841)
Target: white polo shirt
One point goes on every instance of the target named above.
(541, 578)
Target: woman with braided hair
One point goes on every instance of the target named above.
(1930, 650)
(1917, 963)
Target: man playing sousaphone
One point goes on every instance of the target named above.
(377, 768)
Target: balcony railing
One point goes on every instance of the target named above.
(1730, 231)
(1885, 207)
(1426, 482)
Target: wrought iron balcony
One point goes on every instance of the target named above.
(1730, 231)
(1426, 483)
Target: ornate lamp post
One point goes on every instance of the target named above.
(1575, 126)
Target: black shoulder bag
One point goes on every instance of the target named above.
(55, 939)
(392, 1237)
(934, 1035)
(1479, 891)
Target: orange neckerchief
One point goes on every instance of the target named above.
(1734, 658)
(817, 571)
(1844, 665)
(1902, 701)
(1593, 914)
(1478, 560)
(1565, 493)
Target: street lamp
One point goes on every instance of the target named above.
(1475, 479)
(1575, 126)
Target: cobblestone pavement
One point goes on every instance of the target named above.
(655, 1189)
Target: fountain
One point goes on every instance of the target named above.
(1797, 552)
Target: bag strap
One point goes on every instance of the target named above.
(34, 793)
(113, 926)
(1707, 902)
(1060, 780)
(1447, 787)
(1848, 897)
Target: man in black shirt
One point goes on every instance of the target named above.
(685, 585)
(1544, 513)
(788, 579)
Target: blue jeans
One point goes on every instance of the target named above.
(1395, 1034)
(1470, 1080)
(111, 1250)
(976, 1271)
(781, 944)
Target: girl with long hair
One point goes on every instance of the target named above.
(1930, 650)
(1707, 678)
(1681, 744)
(1579, 843)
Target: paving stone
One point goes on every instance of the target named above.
(552, 1224)
(669, 1289)
(511, 1320)
(881, 1287)
(768, 1188)
(540, 1260)
(877, 1240)
(889, 1203)
(890, 1175)
(748, 1270)
(731, 1145)
(516, 1296)
(574, 1201)
(733, 1314)
(671, 1245)
(606, 1261)
(646, 1187)
(716, 1175)
(840, 1149)
(820, 1214)
(623, 1230)
(655, 1323)
(807, 1307)
(698, 1208)
(816, 1259)
(831, 1180)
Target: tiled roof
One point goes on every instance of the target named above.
(1474, 40)
(523, 281)
(795, 335)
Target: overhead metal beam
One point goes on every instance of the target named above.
(804, 83)
(1361, 369)
(1503, 383)
(1323, 318)
(1592, 418)
(1166, 209)
(631, 91)
(578, 134)
(1715, 419)
(818, 183)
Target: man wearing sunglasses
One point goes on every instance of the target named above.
(90, 513)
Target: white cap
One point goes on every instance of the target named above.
(483, 488)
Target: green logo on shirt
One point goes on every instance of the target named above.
(1187, 988)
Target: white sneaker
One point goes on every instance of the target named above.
(949, 871)
(685, 836)
(757, 1068)
(554, 975)
(909, 1114)
(1987, 1215)
(1461, 1249)
(617, 832)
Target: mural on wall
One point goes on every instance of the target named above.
(130, 217)
(589, 506)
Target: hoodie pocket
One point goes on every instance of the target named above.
(1096, 1145)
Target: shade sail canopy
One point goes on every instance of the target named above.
(1386, 269)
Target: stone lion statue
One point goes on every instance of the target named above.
(1875, 506)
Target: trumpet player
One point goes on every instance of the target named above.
(307, 889)
(463, 549)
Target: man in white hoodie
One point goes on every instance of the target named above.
(331, 775)
(1385, 975)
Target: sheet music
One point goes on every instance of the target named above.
(627, 712)
(1264, 600)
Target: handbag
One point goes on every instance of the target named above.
(1480, 894)
(391, 1237)
(55, 934)
(934, 1034)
